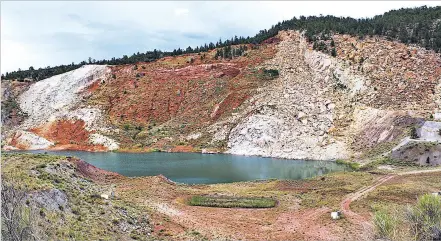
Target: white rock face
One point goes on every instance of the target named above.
(99, 139)
(60, 98)
(291, 116)
(194, 136)
(255, 136)
(59, 94)
(429, 131)
(31, 141)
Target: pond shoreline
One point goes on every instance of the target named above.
(199, 168)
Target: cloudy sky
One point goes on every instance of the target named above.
(51, 33)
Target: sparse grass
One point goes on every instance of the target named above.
(387, 161)
(319, 192)
(232, 202)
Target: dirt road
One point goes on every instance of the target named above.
(357, 219)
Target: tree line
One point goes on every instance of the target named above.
(409, 25)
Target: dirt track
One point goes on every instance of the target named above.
(293, 218)
(356, 218)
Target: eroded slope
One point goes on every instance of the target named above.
(358, 104)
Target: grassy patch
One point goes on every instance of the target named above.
(387, 161)
(353, 165)
(232, 202)
(330, 191)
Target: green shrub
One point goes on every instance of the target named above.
(139, 128)
(42, 165)
(385, 224)
(421, 221)
(352, 165)
(271, 73)
(333, 52)
(425, 218)
(413, 133)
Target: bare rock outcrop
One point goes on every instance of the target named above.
(324, 107)
(292, 116)
(61, 98)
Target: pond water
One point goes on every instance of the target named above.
(196, 168)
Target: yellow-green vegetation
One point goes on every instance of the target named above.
(69, 205)
(350, 164)
(420, 221)
(400, 190)
(386, 160)
(330, 189)
(232, 202)
(385, 224)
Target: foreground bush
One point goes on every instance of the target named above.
(16, 219)
(419, 222)
(425, 218)
(385, 224)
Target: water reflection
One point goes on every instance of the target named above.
(195, 168)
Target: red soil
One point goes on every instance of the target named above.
(94, 86)
(182, 148)
(17, 144)
(163, 94)
(94, 173)
(68, 135)
(272, 40)
(172, 88)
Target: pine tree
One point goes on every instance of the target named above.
(333, 52)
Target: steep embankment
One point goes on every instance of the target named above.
(158, 104)
(358, 104)
(291, 117)
(323, 107)
(57, 116)
(59, 198)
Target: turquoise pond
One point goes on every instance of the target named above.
(195, 168)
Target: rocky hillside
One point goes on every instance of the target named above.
(57, 198)
(282, 98)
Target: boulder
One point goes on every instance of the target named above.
(430, 131)
(336, 215)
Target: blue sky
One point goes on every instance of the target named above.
(51, 33)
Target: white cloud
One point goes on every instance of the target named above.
(52, 33)
(181, 11)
